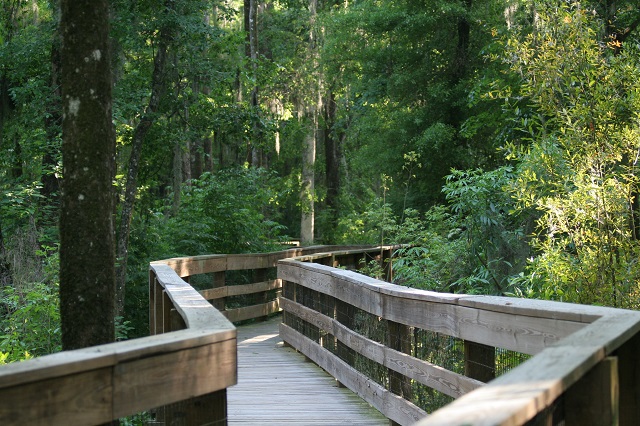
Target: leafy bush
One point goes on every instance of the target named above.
(230, 211)
(30, 322)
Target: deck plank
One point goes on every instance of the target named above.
(276, 385)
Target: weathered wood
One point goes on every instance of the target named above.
(519, 333)
(479, 361)
(392, 406)
(426, 373)
(95, 385)
(180, 375)
(239, 290)
(595, 398)
(253, 311)
(219, 282)
(277, 387)
(629, 378)
(515, 398)
(78, 398)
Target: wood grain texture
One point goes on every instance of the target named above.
(253, 311)
(276, 386)
(392, 406)
(239, 290)
(508, 330)
(434, 376)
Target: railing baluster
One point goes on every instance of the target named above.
(479, 361)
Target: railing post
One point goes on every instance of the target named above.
(629, 381)
(386, 264)
(594, 399)
(479, 361)
(399, 339)
(260, 275)
(344, 315)
(219, 280)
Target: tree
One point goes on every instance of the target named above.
(87, 251)
(158, 86)
(580, 168)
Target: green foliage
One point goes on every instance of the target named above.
(226, 212)
(580, 169)
(30, 322)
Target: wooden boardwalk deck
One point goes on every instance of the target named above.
(276, 385)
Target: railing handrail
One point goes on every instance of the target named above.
(573, 343)
(570, 342)
(101, 383)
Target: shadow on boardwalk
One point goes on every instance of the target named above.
(276, 385)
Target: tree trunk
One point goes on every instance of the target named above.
(50, 184)
(177, 177)
(308, 188)
(253, 52)
(332, 164)
(131, 189)
(5, 267)
(87, 258)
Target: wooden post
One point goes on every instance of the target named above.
(629, 381)
(219, 281)
(479, 361)
(594, 399)
(345, 314)
(152, 302)
(260, 275)
(386, 264)
(398, 338)
(167, 305)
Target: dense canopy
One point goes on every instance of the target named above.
(499, 138)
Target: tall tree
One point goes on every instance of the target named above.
(87, 256)
(158, 87)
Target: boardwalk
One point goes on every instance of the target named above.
(277, 386)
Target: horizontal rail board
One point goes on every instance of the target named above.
(240, 290)
(426, 373)
(392, 406)
(91, 386)
(442, 314)
(253, 311)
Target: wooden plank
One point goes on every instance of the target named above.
(595, 398)
(277, 387)
(434, 376)
(83, 398)
(160, 380)
(519, 333)
(515, 398)
(253, 311)
(239, 290)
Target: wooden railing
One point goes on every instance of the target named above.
(585, 369)
(96, 385)
(180, 372)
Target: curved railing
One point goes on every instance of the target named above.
(99, 384)
(585, 368)
(364, 331)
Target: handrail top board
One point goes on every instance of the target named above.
(192, 265)
(108, 355)
(591, 334)
(508, 305)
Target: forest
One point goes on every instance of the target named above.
(498, 139)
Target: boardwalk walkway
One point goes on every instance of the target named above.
(277, 386)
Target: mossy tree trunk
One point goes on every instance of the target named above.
(87, 250)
